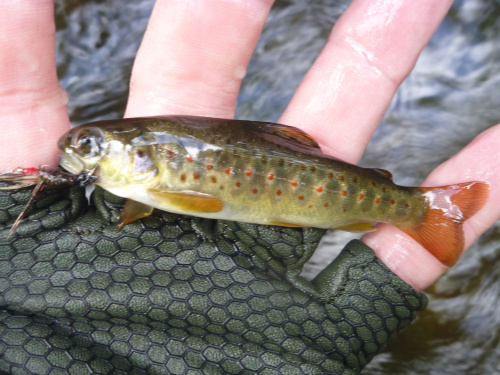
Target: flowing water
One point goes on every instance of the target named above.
(450, 97)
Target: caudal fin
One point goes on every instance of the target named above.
(441, 231)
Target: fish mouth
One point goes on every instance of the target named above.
(71, 163)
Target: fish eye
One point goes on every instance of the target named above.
(87, 143)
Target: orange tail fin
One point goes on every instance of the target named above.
(441, 231)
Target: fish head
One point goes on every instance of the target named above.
(82, 148)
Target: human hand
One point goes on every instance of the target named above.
(188, 84)
(340, 102)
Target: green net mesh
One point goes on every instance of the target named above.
(178, 295)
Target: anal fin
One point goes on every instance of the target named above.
(360, 227)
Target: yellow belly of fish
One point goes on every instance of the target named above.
(249, 204)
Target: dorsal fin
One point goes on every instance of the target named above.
(384, 173)
(278, 133)
(284, 135)
(287, 136)
(289, 133)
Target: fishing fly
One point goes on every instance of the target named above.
(41, 178)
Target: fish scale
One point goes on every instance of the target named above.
(260, 173)
(244, 177)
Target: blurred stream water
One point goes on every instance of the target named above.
(449, 98)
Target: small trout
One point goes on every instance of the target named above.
(261, 173)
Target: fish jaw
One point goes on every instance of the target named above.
(67, 159)
(71, 163)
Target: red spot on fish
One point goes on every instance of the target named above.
(210, 166)
(228, 171)
(341, 178)
(374, 184)
(383, 189)
(326, 205)
(294, 183)
(344, 210)
(313, 169)
(303, 167)
(407, 205)
(330, 175)
(171, 154)
(344, 193)
(29, 170)
(248, 172)
(196, 176)
(278, 192)
(377, 201)
(270, 176)
(254, 191)
(319, 189)
(221, 187)
(355, 179)
(392, 201)
(301, 198)
(183, 177)
(189, 158)
(361, 196)
(310, 206)
(214, 180)
(237, 184)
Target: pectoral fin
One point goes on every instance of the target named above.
(358, 227)
(131, 212)
(195, 203)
